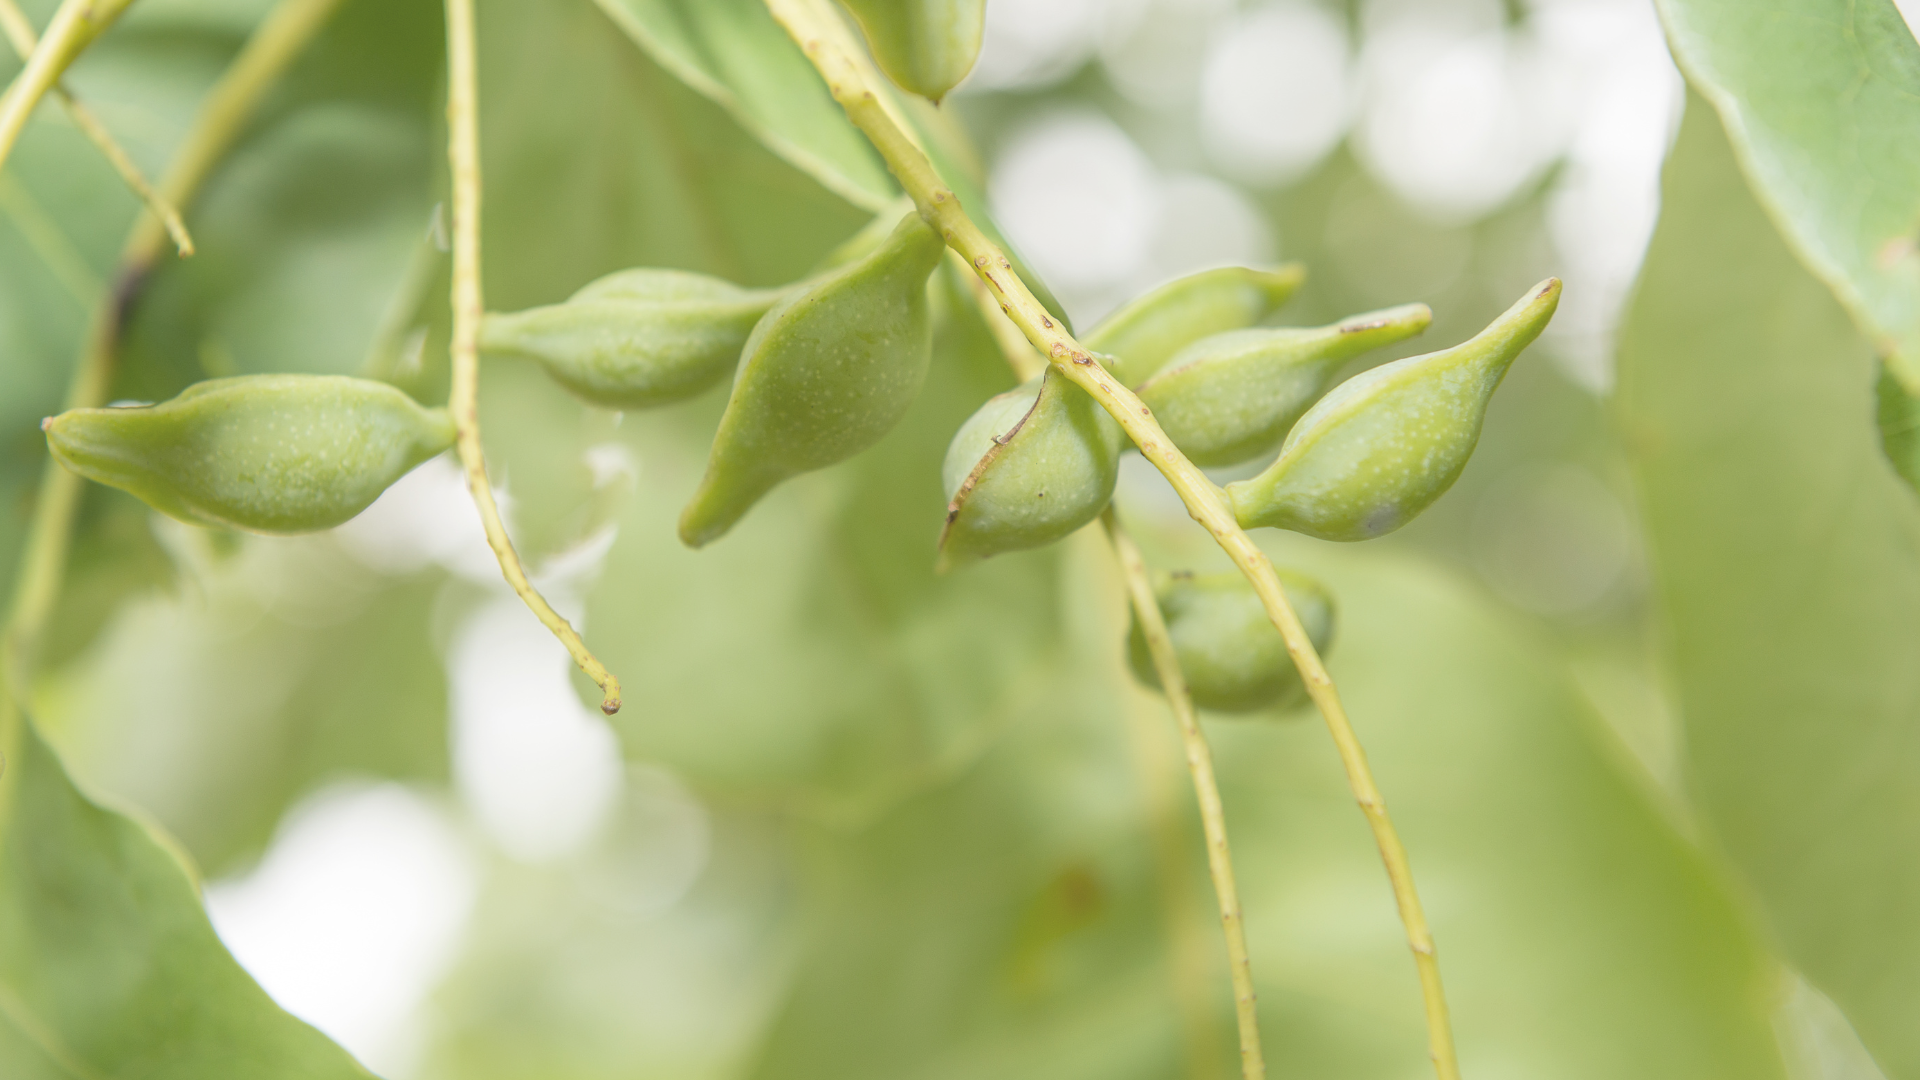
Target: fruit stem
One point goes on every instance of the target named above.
(1213, 818)
(281, 36)
(19, 31)
(463, 151)
(72, 29)
(827, 44)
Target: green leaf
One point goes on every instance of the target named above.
(245, 697)
(734, 53)
(1821, 99)
(1006, 925)
(1789, 591)
(108, 966)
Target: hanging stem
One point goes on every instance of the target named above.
(19, 31)
(279, 38)
(464, 402)
(825, 40)
(73, 28)
(1213, 817)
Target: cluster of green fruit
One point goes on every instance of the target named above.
(827, 366)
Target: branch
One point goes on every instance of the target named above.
(463, 149)
(823, 37)
(20, 32)
(73, 28)
(1213, 817)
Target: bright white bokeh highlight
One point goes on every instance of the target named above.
(1031, 43)
(1276, 94)
(353, 916)
(538, 770)
(1081, 201)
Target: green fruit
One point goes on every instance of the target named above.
(1143, 335)
(1231, 397)
(1233, 658)
(635, 339)
(825, 374)
(1031, 466)
(264, 453)
(924, 46)
(1898, 416)
(1386, 443)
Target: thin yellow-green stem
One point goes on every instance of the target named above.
(19, 31)
(280, 38)
(819, 33)
(73, 28)
(463, 150)
(1213, 816)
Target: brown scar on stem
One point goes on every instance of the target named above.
(1046, 322)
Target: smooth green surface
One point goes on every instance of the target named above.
(264, 453)
(108, 967)
(635, 339)
(1230, 397)
(1784, 548)
(1233, 658)
(1146, 331)
(734, 53)
(925, 46)
(1821, 98)
(1897, 414)
(826, 374)
(1368, 457)
(1028, 468)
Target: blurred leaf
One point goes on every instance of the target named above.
(734, 53)
(1821, 98)
(108, 966)
(270, 673)
(1004, 925)
(1785, 552)
(1898, 416)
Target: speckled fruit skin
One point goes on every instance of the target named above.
(1379, 449)
(827, 372)
(276, 454)
(1139, 338)
(1029, 467)
(636, 339)
(1233, 658)
(1231, 397)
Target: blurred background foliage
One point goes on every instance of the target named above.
(1639, 689)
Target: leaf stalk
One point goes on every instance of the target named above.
(463, 151)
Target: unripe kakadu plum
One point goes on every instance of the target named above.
(1385, 444)
(635, 339)
(925, 46)
(1233, 658)
(1231, 397)
(827, 372)
(263, 453)
(1144, 333)
(1029, 467)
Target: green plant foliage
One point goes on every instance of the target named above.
(108, 966)
(1031, 466)
(1004, 924)
(1821, 98)
(1789, 596)
(1898, 416)
(635, 339)
(826, 373)
(265, 453)
(734, 53)
(1230, 397)
(1379, 449)
(925, 46)
(1232, 657)
(1145, 333)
